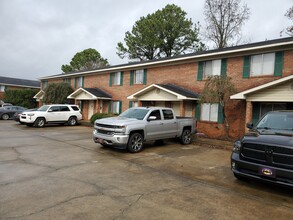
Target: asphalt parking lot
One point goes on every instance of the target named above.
(57, 172)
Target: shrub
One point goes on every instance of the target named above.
(22, 97)
(101, 115)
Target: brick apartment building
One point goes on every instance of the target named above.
(8, 83)
(261, 72)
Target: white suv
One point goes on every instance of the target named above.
(56, 113)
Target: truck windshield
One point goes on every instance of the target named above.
(135, 113)
(277, 121)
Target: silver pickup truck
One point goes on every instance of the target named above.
(136, 125)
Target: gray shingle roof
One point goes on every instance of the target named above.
(98, 92)
(19, 82)
(180, 90)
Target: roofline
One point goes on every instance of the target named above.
(17, 85)
(94, 96)
(183, 97)
(230, 50)
(242, 95)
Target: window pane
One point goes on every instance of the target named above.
(214, 112)
(168, 114)
(256, 65)
(216, 67)
(116, 78)
(208, 69)
(268, 64)
(115, 107)
(138, 77)
(205, 112)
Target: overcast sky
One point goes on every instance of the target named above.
(38, 36)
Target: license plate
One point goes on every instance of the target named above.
(99, 140)
(267, 171)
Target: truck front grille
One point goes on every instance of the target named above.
(266, 154)
(107, 126)
(105, 132)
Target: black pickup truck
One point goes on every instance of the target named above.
(266, 152)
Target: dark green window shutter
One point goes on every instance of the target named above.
(121, 79)
(255, 112)
(120, 107)
(220, 114)
(130, 104)
(279, 63)
(145, 76)
(109, 107)
(224, 68)
(246, 67)
(198, 112)
(111, 79)
(200, 71)
(131, 77)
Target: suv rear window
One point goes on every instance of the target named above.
(75, 108)
(64, 109)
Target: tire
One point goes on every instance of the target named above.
(40, 122)
(72, 121)
(185, 137)
(5, 117)
(135, 143)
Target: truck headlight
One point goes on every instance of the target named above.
(30, 114)
(237, 147)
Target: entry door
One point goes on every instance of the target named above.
(91, 109)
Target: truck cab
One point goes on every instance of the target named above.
(266, 152)
(137, 125)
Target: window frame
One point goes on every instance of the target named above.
(116, 109)
(253, 65)
(116, 76)
(215, 71)
(2, 88)
(139, 72)
(208, 111)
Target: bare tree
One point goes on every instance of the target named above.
(289, 15)
(224, 20)
(218, 89)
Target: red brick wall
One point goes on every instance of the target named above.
(185, 75)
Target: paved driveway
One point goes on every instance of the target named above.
(59, 173)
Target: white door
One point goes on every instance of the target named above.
(91, 109)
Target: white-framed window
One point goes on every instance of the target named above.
(209, 112)
(212, 68)
(44, 84)
(78, 82)
(134, 103)
(138, 76)
(115, 107)
(2, 88)
(262, 64)
(116, 78)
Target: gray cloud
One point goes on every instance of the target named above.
(37, 37)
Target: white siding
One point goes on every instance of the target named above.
(279, 93)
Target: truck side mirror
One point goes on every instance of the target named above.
(249, 125)
(152, 118)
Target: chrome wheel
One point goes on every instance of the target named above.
(135, 143)
(40, 122)
(186, 137)
(72, 121)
